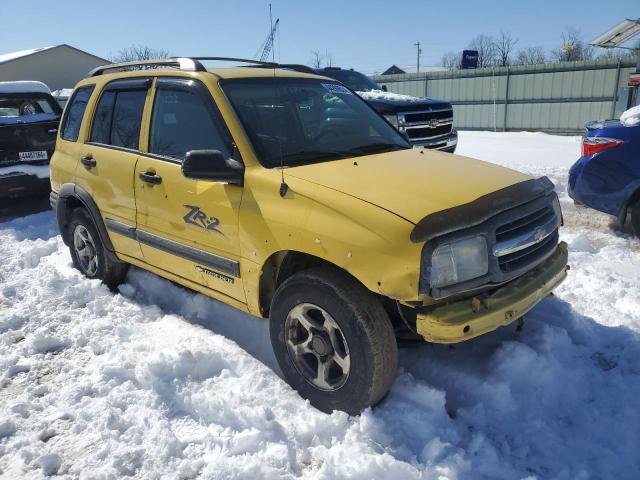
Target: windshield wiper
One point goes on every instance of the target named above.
(375, 148)
(305, 155)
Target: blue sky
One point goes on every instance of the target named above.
(368, 36)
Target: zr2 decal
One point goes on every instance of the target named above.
(200, 219)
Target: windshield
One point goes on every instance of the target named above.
(356, 81)
(28, 105)
(293, 121)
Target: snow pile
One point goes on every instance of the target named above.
(382, 95)
(631, 117)
(159, 382)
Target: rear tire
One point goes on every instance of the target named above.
(635, 218)
(88, 252)
(333, 340)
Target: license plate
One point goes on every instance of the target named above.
(29, 156)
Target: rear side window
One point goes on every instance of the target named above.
(185, 118)
(101, 126)
(74, 113)
(118, 117)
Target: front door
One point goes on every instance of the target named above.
(108, 159)
(187, 227)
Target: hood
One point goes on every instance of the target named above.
(388, 102)
(409, 183)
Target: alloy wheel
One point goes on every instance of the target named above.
(317, 346)
(86, 251)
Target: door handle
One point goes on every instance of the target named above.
(150, 177)
(88, 161)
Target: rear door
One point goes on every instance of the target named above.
(108, 159)
(188, 227)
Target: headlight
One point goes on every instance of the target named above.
(392, 119)
(459, 261)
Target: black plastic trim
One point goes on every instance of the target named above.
(129, 84)
(116, 147)
(222, 264)
(71, 190)
(480, 210)
(121, 228)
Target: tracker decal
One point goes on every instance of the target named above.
(214, 274)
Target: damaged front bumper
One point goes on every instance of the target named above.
(465, 319)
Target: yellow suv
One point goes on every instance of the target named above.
(284, 194)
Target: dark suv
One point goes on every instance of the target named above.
(29, 118)
(427, 122)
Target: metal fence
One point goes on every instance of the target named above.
(555, 98)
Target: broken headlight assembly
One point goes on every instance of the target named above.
(458, 261)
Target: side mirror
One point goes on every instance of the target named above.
(211, 165)
(384, 88)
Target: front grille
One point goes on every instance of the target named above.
(528, 256)
(425, 117)
(426, 124)
(526, 250)
(427, 132)
(526, 223)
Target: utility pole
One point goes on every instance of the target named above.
(417, 44)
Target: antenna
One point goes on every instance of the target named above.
(283, 186)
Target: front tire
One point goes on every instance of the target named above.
(88, 252)
(333, 340)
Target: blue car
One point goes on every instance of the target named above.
(607, 175)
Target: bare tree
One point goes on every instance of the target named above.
(573, 47)
(328, 58)
(451, 60)
(139, 52)
(530, 56)
(504, 46)
(316, 59)
(485, 46)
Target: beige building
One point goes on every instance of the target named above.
(59, 66)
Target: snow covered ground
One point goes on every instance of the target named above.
(159, 382)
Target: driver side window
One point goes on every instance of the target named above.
(185, 119)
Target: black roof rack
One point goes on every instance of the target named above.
(288, 66)
(194, 64)
(182, 63)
